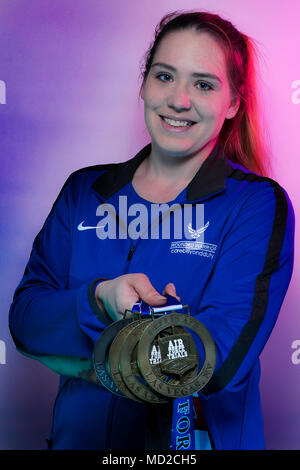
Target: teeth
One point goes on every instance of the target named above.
(177, 123)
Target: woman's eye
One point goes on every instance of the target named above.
(164, 77)
(204, 88)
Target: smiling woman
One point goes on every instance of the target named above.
(231, 265)
(183, 118)
(217, 46)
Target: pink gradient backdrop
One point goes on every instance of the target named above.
(71, 71)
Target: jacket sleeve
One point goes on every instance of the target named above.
(44, 317)
(244, 295)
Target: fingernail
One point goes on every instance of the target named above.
(158, 296)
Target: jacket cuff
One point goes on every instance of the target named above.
(91, 319)
(101, 314)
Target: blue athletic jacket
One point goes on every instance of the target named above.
(233, 272)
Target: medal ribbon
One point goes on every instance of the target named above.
(183, 430)
(146, 310)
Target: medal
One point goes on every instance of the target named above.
(100, 355)
(152, 356)
(182, 380)
(114, 359)
(129, 368)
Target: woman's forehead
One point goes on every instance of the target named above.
(191, 49)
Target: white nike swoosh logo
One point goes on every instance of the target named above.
(86, 227)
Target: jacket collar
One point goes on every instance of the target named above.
(209, 179)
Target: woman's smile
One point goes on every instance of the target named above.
(175, 125)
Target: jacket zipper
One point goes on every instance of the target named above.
(133, 247)
(130, 253)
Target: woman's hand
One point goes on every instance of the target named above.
(121, 293)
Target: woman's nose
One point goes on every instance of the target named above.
(179, 98)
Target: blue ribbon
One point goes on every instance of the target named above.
(147, 310)
(183, 434)
(183, 429)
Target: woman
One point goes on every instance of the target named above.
(207, 157)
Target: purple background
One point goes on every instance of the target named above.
(71, 71)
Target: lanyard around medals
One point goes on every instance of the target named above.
(183, 429)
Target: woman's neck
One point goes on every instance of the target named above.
(160, 178)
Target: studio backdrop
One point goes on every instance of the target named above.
(69, 85)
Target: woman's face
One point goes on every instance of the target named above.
(185, 110)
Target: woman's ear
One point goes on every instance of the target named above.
(142, 91)
(234, 107)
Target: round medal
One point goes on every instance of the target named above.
(100, 355)
(114, 358)
(177, 374)
(129, 368)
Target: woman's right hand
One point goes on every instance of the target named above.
(121, 293)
